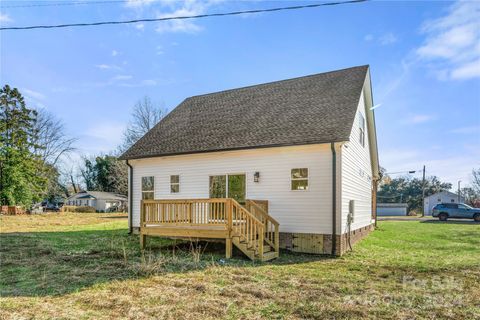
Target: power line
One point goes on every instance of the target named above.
(233, 13)
(73, 3)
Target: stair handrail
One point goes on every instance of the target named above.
(248, 226)
(271, 226)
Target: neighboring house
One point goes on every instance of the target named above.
(440, 197)
(101, 201)
(392, 209)
(303, 149)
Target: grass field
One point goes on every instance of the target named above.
(85, 266)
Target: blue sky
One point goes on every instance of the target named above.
(424, 58)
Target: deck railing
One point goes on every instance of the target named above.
(248, 227)
(195, 212)
(259, 208)
(251, 223)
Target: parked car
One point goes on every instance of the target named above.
(49, 207)
(455, 210)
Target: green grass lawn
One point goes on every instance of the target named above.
(86, 266)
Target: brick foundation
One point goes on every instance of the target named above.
(315, 243)
(322, 243)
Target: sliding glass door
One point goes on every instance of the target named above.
(228, 186)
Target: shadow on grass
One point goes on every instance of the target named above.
(125, 216)
(56, 263)
(452, 222)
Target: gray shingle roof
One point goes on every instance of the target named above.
(318, 108)
(99, 195)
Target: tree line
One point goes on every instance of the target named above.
(410, 190)
(35, 151)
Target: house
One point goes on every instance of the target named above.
(392, 209)
(440, 197)
(288, 164)
(101, 201)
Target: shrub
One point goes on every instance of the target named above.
(85, 209)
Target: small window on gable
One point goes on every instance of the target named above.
(453, 200)
(175, 184)
(361, 126)
(148, 184)
(299, 179)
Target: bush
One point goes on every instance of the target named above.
(85, 209)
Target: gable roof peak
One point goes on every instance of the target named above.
(318, 108)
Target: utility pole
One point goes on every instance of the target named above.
(423, 192)
(459, 192)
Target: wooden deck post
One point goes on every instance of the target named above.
(277, 239)
(228, 248)
(143, 240)
(261, 238)
(228, 241)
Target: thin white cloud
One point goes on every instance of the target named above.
(143, 83)
(467, 130)
(160, 50)
(5, 18)
(115, 53)
(419, 118)
(107, 67)
(384, 39)
(138, 3)
(33, 94)
(171, 8)
(121, 77)
(388, 38)
(187, 26)
(34, 99)
(102, 137)
(453, 42)
(467, 70)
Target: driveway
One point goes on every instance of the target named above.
(428, 220)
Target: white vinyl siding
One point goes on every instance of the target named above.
(307, 212)
(356, 180)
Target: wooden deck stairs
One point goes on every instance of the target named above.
(249, 228)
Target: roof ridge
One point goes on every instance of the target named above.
(324, 103)
(278, 81)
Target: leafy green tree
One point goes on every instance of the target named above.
(111, 174)
(21, 178)
(89, 175)
(105, 173)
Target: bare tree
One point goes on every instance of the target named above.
(476, 180)
(51, 136)
(145, 116)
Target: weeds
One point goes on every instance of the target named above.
(86, 267)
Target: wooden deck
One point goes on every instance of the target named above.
(250, 228)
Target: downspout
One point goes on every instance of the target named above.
(334, 199)
(130, 199)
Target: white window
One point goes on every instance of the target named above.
(299, 179)
(175, 184)
(148, 184)
(361, 126)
